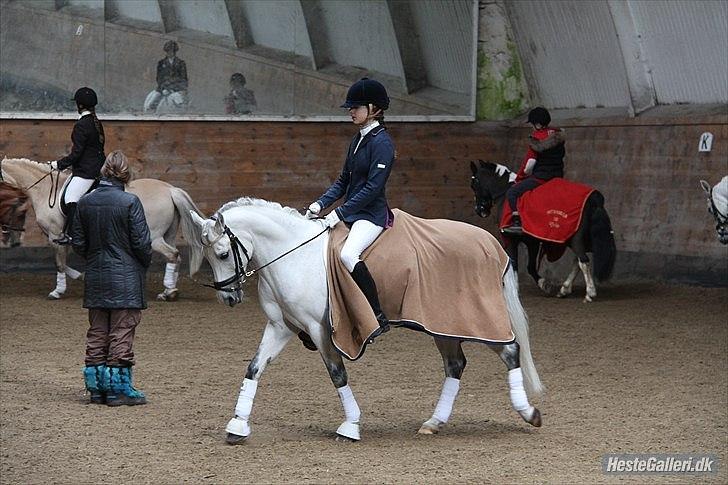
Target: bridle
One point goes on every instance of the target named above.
(7, 228)
(484, 196)
(241, 275)
(721, 219)
(52, 194)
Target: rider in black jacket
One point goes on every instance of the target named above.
(86, 157)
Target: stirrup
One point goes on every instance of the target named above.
(63, 240)
(513, 229)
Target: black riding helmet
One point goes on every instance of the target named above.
(366, 91)
(539, 116)
(85, 97)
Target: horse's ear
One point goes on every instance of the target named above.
(706, 186)
(197, 219)
(482, 164)
(473, 168)
(219, 224)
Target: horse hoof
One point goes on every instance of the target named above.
(535, 418)
(588, 299)
(562, 294)
(168, 295)
(344, 439)
(54, 295)
(430, 427)
(234, 439)
(427, 430)
(348, 432)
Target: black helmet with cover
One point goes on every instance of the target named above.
(366, 91)
(85, 97)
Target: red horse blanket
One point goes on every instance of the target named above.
(434, 275)
(551, 212)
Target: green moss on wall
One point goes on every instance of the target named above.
(500, 96)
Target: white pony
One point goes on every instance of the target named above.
(250, 233)
(718, 206)
(165, 207)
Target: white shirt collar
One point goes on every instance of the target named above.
(84, 113)
(368, 128)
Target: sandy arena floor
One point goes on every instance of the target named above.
(643, 369)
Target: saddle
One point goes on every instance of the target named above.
(437, 276)
(552, 211)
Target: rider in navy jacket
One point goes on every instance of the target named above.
(362, 182)
(363, 179)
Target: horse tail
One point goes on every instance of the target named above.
(184, 204)
(603, 246)
(519, 324)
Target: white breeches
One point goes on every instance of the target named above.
(77, 186)
(362, 235)
(156, 101)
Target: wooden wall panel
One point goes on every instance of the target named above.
(291, 163)
(648, 170)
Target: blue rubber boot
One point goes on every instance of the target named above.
(96, 380)
(122, 392)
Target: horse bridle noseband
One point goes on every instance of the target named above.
(720, 218)
(241, 275)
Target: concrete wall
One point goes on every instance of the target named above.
(648, 170)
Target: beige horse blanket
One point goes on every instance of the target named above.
(434, 275)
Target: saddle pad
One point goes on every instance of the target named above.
(552, 211)
(434, 275)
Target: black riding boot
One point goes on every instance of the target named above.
(65, 237)
(365, 282)
(515, 227)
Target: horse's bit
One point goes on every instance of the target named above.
(241, 275)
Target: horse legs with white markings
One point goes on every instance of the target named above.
(566, 287)
(576, 243)
(454, 360)
(62, 270)
(275, 337)
(349, 429)
(171, 270)
(510, 355)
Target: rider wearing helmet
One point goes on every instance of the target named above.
(362, 183)
(86, 157)
(543, 161)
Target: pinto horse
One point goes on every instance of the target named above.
(490, 181)
(253, 233)
(166, 208)
(13, 206)
(718, 206)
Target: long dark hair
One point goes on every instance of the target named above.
(98, 125)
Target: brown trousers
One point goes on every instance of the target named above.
(110, 337)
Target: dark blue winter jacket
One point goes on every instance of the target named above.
(110, 231)
(363, 180)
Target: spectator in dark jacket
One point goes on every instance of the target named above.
(111, 233)
(362, 183)
(171, 80)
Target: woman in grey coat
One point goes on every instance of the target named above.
(110, 231)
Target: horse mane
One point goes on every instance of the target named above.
(43, 167)
(253, 202)
(498, 169)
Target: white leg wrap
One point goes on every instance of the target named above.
(60, 282)
(450, 389)
(171, 274)
(72, 273)
(519, 399)
(245, 399)
(351, 408)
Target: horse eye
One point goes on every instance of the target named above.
(224, 255)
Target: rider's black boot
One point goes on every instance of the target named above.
(515, 227)
(65, 238)
(365, 282)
